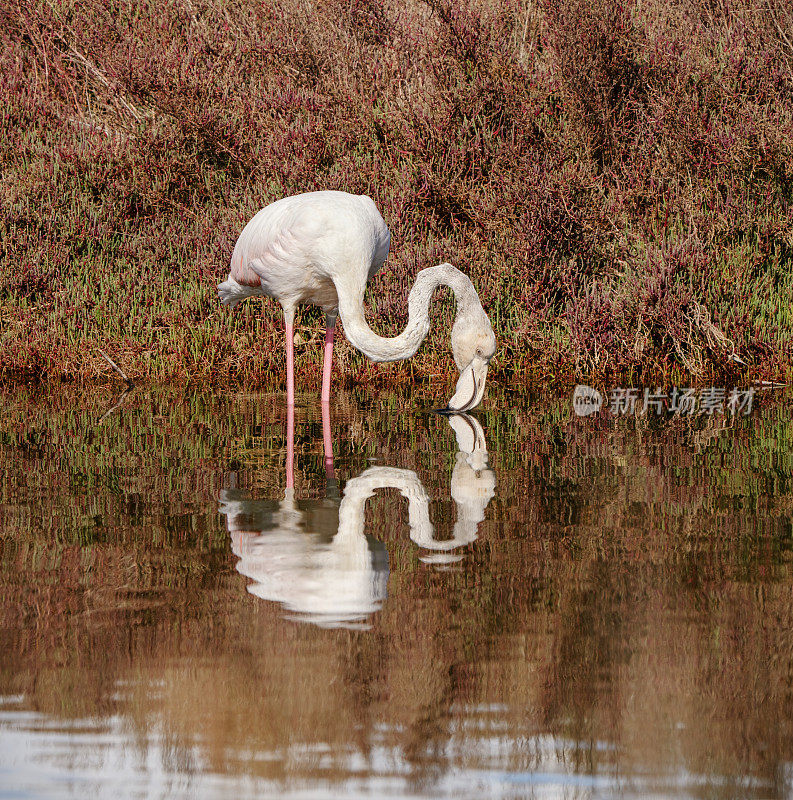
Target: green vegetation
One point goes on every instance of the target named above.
(616, 179)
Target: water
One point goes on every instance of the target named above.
(519, 604)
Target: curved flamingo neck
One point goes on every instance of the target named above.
(359, 490)
(383, 348)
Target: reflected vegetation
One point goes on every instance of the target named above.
(617, 620)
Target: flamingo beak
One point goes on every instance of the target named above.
(470, 386)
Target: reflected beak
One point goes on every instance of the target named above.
(470, 387)
(469, 433)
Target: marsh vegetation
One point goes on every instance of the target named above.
(615, 178)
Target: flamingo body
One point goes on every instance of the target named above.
(297, 249)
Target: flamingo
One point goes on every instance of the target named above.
(322, 248)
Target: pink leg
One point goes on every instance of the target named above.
(290, 446)
(330, 329)
(290, 363)
(289, 319)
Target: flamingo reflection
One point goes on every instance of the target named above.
(314, 557)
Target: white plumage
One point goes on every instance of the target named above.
(322, 248)
(297, 247)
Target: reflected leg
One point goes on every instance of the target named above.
(327, 442)
(290, 446)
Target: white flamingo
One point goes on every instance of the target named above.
(322, 248)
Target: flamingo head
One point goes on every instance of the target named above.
(473, 345)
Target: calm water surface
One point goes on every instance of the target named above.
(520, 604)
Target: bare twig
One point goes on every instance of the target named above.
(116, 367)
(765, 385)
(91, 68)
(779, 27)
